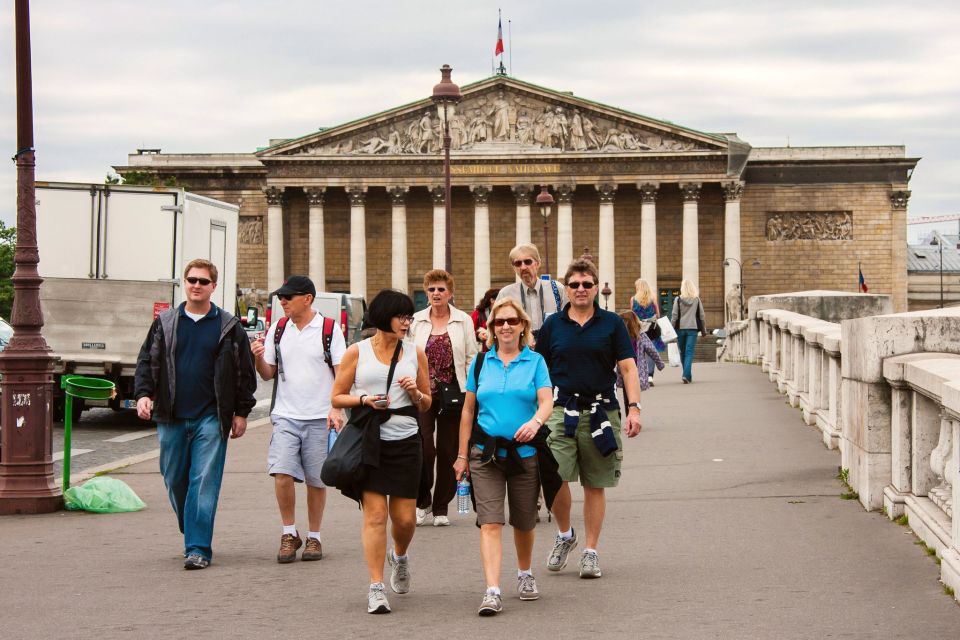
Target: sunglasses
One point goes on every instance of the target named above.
(499, 322)
(436, 289)
(405, 319)
(526, 262)
(194, 280)
(287, 297)
(577, 285)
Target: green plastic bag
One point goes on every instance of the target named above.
(102, 494)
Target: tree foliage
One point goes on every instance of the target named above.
(145, 178)
(8, 243)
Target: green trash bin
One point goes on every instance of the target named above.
(86, 389)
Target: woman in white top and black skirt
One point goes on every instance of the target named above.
(390, 487)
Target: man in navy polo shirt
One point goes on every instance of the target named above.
(583, 345)
(195, 377)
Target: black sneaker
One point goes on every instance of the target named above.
(195, 561)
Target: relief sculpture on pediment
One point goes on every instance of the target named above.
(503, 122)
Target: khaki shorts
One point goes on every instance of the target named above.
(578, 457)
(491, 486)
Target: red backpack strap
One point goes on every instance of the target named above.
(281, 325)
(329, 326)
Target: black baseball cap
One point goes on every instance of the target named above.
(296, 285)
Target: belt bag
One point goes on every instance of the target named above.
(451, 398)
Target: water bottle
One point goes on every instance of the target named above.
(331, 438)
(463, 496)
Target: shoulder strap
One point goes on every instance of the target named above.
(556, 293)
(393, 364)
(328, 326)
(476, 368)
(281, 325)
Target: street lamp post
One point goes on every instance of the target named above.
(726, 263)
(545, 201)
(606, 292)
(445, 95)
(26, 460)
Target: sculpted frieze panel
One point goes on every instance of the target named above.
(250, 230)
(809, 225)
(501, 121)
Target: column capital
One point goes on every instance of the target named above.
(607, 191)
(898, 199)
(522, 192)
(398, 195)
(315, 195)
(565, 193)
(357, 195)
(690, 191)
(648, 192)
(732, 191)
(274, 196)
(481, 194)
(438, 195)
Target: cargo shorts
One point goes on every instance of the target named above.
(298, 449)
(578, 457)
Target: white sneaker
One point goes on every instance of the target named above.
(421, 516)
(441, 521)
(377, 600)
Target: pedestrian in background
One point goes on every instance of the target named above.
(645, 307)
(644, 350)
(301, 413)
(505, 450)
(446, 335)
(537, 297)
(392, 452)
(689, 320)
(195, 376)
(479, 316)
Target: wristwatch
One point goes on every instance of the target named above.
(633, 404)
(538, 420)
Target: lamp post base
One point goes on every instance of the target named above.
(29, 505)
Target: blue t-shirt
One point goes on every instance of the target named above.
(197, 343)
(583, 359)
(508, 397)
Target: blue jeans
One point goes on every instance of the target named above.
(192, 454)
(687, 341)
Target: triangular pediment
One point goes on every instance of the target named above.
(502, 116)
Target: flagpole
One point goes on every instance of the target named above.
(510, 43)
(859, 271)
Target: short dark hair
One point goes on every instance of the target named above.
(584, 267)
(387, 305)
(200, 263)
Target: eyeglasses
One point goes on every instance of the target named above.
(436, 289)
(405, 319)
(526, 262)
(577, 285)
(194, 280)
(499, 322)
(287, 297)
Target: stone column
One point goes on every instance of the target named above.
(605, 253)
(522, 193)
(481, 240)
(648, 234)
(564, 229)
(275, 243)
(731, 237)
(691, 240)
(399, 279)
(315, 243)
(898, 209)
(439, 228)
(358, 240)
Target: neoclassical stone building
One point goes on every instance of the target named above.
(360, 206)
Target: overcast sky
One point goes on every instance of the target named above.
(189, 76)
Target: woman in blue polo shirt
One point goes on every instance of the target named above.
(505, 454)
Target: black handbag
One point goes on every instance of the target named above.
(451, 398)
(344, 464)
(654, 331)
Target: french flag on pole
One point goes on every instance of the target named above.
(498, 50)
(863, 284)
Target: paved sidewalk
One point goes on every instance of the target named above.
(727, 524)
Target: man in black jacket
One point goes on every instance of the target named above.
(195, 377)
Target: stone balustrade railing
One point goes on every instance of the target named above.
(885, 391)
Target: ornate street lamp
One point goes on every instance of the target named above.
(26, 459)
(726, 263)
(545, 202)
(445, 95)
(606, 292)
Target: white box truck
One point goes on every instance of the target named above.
(112, 258)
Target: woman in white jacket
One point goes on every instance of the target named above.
(446, 334)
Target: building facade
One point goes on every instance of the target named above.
(360, 206)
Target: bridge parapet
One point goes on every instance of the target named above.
(885, 391)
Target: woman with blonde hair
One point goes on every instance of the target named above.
(689, 320)
(645, 306)
(504, 450)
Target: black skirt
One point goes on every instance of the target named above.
(399, 472)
